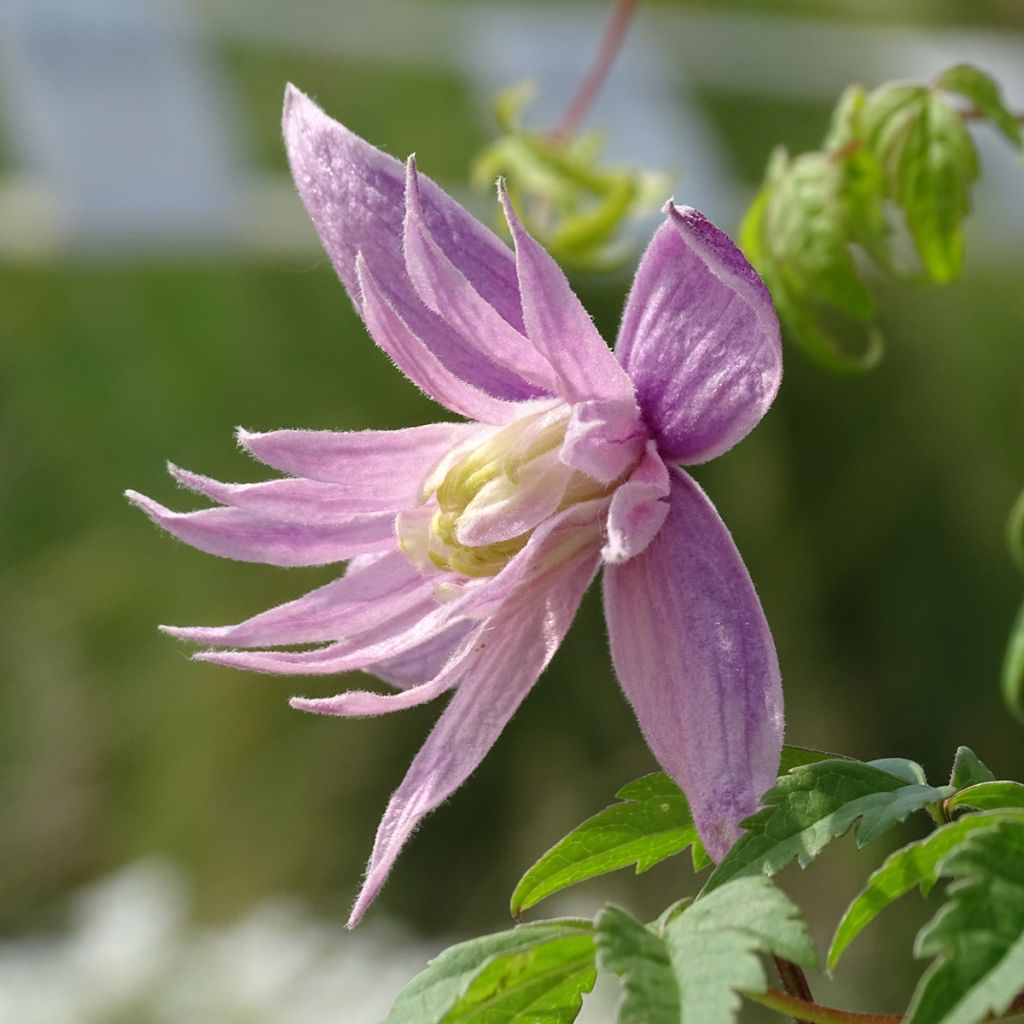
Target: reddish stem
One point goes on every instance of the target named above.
(614, 37)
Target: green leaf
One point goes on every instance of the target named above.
(713, 946)
(639, 957)
(916, 864)
(977, 937)
(983, 91)
(545, 983)
(988, 796)
(816, 804)
(653, 822)
(1013, 668)
(706, 956)
(1015, 531)
(434, 991)
(968, 769)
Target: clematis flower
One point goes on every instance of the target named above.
(472, 541)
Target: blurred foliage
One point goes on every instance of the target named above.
(566, 198)
(901, 147)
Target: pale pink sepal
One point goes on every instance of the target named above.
(696, 660)
(700, 339)
(638, 509)
(558, 325)
(604, 438)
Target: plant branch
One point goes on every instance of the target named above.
(794, 981)
(614, 37)
(813, 1013)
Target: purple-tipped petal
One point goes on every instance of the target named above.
(638, 509)
(365, 703)
(604, 438)
(304, 501)
(559, 326)
(418, 363)
(231, 533)
(368, 593)
(355, 196)
(384, 469)
(700, 339)
(695, 657)
(448, 292)
(510, 655)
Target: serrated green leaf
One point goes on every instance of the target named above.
(977, 937)
(639, 957)
(903, 768)
(713, 946)
(914, 865)
(814, 805)
(1013, 668)
(983, 91)
(988, 796)
(433, 992)
(545, 983)
(652, 822)
(968, 769)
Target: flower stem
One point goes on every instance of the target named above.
(794, 981)
(813, 1013)
(614, 37)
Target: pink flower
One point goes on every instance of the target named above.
(471, 543)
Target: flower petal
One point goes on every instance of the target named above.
(604, 438)
(382, 468)
(638, 509)
(424, 661)
(309, 501)
(511, 654)
(695, 657)
(365, 703)
(231, 533)
(418, 363)
(370, 591)
(559, 326)
(700, 339)
(354, 194)
(448, 292)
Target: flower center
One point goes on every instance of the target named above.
(483, 501)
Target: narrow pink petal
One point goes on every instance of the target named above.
(231, 533)
(638, 509)
(423, 662)
(368, 593)
(700, 339)
(511, 654)
(307, 501)
(695, 657)
(384, 469)
(448, 292)
(365, 703)
(604, 438)
(418, 363)
(559, 326)
(354, 194)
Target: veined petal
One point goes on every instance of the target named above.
(638, 509)
(309, 501)
(700, 339)
(384, 469)
(232, 533)
(365, 703)
(508, 658)
(354, 194)
(604, 438)
(448, 292)
(695, 657)
(418, 363)
(559, 326)
(423, 662)
(368, 593)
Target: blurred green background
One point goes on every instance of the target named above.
(870, 510)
